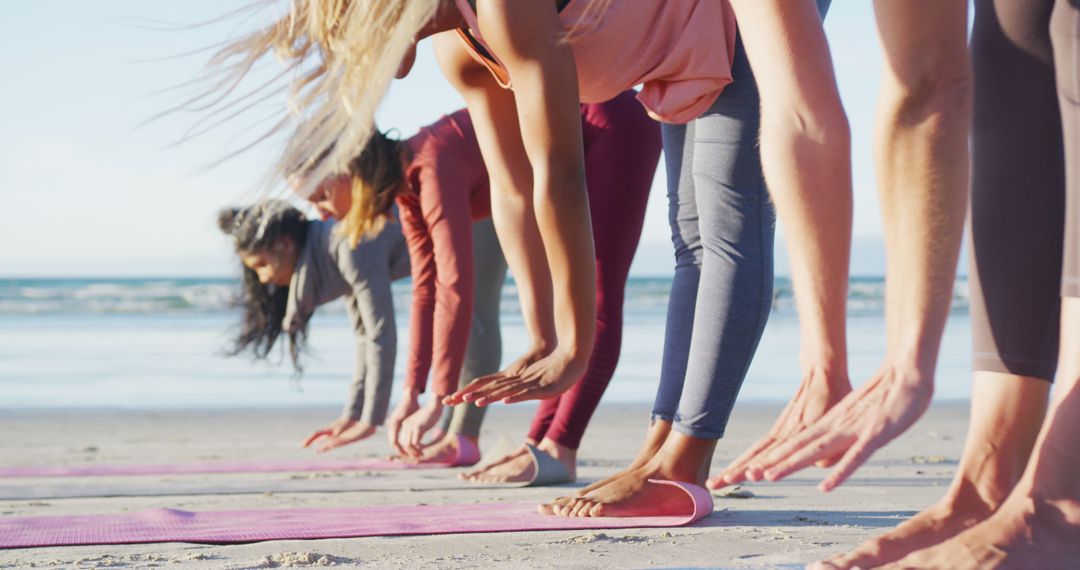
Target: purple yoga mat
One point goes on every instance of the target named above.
(469, 455)
(222, 527)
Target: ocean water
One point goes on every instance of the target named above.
(158, 343)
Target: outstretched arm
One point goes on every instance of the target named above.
(921, 151)
(806, 158)
(539, 202)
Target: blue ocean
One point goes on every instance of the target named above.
(159, 343)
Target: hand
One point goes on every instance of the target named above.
(352, 432)
(819, 392)
(862, 422)
(331, 431)
(416, 425)
(405, 408)
(542, 378)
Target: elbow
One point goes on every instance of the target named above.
(383, 334)
(801, 130)
(455, 303)
(935, 99)
(561, 181)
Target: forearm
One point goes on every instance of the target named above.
(453, 319)
(806, 159)
(922, 156)
(921, 147)
(562, 214)
(357, 397)
(421, 326)
(817, 217)
(381, 352)
(523, 248)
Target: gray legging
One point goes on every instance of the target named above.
(722, 226)
(484, 350)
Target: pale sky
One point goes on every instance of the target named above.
(87, 192)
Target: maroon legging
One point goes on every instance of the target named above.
(622, 150)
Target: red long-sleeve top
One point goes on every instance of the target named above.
(448, 189)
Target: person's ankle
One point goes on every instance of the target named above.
(684, 458)
(560, 452)
(453, 438)
(976, 499)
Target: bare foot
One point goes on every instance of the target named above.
(941, 521)
(1006, 414)
(1038, 526)
(1024, 533)
(519, 468)
(682, 458)
(654, 440)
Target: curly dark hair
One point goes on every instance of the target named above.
(258, 228)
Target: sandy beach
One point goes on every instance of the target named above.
(782, 525)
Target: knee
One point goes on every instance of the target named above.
(687, 256)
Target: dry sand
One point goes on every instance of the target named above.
(781, 525)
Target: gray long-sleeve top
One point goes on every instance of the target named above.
(326, 269)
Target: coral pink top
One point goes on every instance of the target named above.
(448, 189)
(679, 50)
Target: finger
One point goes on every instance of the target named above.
(825, 447)
(481, 382)
(852, 460)
(488, 394)
(311, 438)
(828, 461)
(791, 445)
(333, 443)
(415, 435)
(504, 389)
(528, 393)
(395, 442)
(736, 470)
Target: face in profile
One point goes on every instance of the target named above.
(273, 266)
(332, 198)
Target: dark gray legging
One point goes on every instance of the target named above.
(1025, 224)
(722, 226)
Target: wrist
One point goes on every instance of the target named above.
(542, 346)
(410, 394)
(826, 372)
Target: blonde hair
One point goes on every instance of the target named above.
(341, 56)
(377, 176)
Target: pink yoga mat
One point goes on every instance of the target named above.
(469, 455)
(221, 527)
(209, 467)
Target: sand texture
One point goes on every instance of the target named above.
(783, 524)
